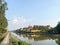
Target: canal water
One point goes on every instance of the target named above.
(37, 39)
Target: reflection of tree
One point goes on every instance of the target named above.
(56, 38)
(58, 41)
(38, 37)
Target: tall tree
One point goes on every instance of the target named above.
(58, 27)
(3, 20)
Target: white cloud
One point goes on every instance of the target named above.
(15, 21)
(18, 22)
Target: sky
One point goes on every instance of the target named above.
(23, 13)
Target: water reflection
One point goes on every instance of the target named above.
(58, 41)
(48, 38)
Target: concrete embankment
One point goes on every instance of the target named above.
(6, 40)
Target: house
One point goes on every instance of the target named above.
(35, 31)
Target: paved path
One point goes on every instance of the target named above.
(6, 40)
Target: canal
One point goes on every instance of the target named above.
(37, 39)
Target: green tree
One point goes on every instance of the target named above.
(55, 30)
(3, 20)
(58, 27)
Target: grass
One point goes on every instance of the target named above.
(1, 38)
(16, 42)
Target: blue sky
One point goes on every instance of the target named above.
(32, 12)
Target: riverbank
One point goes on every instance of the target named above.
(38, 39)
(16, 41)
(2, 36)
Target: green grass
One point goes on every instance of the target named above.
(1, 38)
(16, 42)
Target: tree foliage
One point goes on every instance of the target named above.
(55, 30)
(3, 20)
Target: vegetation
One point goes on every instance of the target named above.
(35, 28)
(1, 38)
(2, 30)
(55, 30)
(16, 42)
(3, 20)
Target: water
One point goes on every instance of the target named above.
(37, 39)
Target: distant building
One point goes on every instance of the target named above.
(35, 31)
(38, 27)
(30, 27)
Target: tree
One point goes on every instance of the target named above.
(3, 20)
(55, 30)
(58, 27)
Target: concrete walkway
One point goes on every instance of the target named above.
(6, 40)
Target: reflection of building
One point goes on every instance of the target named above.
(24, 35)
(34, 35)
(30, 38)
